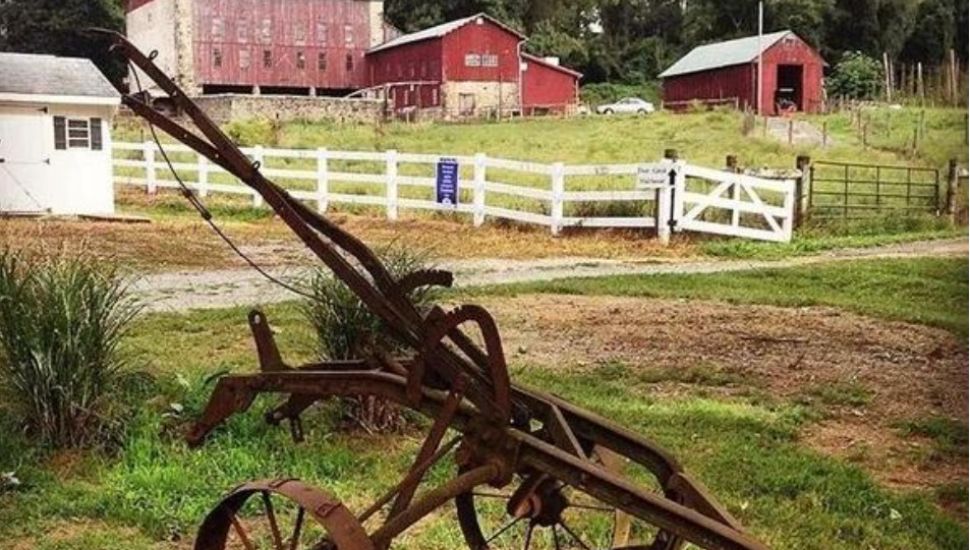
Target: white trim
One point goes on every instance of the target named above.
(60, 99)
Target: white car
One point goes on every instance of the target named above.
(626, 105)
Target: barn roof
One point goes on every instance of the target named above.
(723, 54)
(48, 75)
(440, 30)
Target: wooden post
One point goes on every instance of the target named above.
(731, 163)
(558, 181)
(802, 163)
(886, 76)
(202, 173)
(825, 133)
(732, 166)
(952, 174)
(323, 181)
(791, 131)
(150, 176)
(478, 198)
(919, 83)
(664, 202)
(390, 184)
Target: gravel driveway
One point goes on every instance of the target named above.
(179, 291)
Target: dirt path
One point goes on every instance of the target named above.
(802, 132)
(177, 291)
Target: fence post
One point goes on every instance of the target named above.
(952, 173)
(478, 199)
(150, 176)
(391, 184)
(665, 199)
(558, 188)
(203, 176)
(258, 157)
(802, 162)
(322, 181)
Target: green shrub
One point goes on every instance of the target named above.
(346, 329)
(62, 375)
(253, 132)
(856, 76)
(608, 92)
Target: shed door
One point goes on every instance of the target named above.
(24, 161)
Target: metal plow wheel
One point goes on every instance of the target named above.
(532, 470)
(289, 515)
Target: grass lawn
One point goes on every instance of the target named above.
(745, 446)
(930, 291)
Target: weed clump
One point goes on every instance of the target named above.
(62, 373)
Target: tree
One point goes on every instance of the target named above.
(856, 76)
(932, 36)
(55, 27)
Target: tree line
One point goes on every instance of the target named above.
(622, 41)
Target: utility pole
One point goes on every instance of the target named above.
(761, 31)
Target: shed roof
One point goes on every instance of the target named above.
(440, 30)
(541, 61)
(48, 75)
(723, 54)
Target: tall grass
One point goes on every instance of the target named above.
(346, 329)
(61, 323)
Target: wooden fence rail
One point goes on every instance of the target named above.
(390, 186)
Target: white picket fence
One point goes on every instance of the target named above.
(755, 208)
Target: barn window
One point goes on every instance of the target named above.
(60, 133)
(434, 96)
(218, 28)
(216, 57)
(266, 30)
(267, 59)
(473, 60)
(322, 33)
(489, 60)
(299, 33)
(349, 62)
(348, 35)
(300, 60)
(411, 71)
(322, 61)
(242, 30)
(245, 59)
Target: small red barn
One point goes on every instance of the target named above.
(727, 72)
(548, 87)
(467, 67)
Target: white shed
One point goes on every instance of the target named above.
(55, 135)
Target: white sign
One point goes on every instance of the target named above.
(653, 176)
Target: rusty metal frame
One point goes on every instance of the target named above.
(448, 378)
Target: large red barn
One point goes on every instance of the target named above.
(299, 47)
(467, 67)
(727, 72)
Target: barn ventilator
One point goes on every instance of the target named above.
(531, 470)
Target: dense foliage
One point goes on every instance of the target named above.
(857, 76)
(62, 374)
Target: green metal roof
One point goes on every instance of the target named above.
(723, 54)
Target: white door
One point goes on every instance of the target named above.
(24, 161)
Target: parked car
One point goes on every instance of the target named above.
(626, 105)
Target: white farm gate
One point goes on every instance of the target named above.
(669, 196)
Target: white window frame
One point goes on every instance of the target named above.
(473, 60)
(78, 131)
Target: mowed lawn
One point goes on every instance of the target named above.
(152, 491)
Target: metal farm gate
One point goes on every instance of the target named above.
(855, 190)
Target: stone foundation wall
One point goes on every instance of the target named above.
(224, 108)
(489, 98)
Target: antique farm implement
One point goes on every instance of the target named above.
(529, 469)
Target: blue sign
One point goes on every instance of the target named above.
(446, 182)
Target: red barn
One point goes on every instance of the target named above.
(297, 47)
(727, 72)
(467, 67)
(548, 87)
